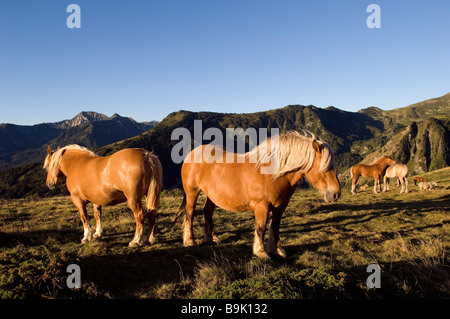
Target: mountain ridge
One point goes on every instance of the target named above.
(410, 135)
(22, 144)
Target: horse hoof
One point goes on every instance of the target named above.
(262, 255)
(216, 240)
(282, 253)
(134, 244)
(189, 243)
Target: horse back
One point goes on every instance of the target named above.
(108, 180)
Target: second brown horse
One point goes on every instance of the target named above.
(376, 170)
(241, 186)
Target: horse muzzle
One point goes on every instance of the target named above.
(331, 196)
(51, 185)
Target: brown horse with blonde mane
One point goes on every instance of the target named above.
(127, 175)
(244, 185)
(375, 170)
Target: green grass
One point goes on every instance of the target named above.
(329, 247)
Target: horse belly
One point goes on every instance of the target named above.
(105, 197)
(112, 198)
(226, 190)
(231, 201)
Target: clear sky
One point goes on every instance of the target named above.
(145, 59)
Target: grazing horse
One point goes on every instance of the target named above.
(127, 175)
(375, 170)
(243, 184)
(419, 179)
(401, 172)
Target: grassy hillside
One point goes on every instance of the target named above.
(329, 247)
(438, 108)
(422, 146)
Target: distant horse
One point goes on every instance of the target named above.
(363, 188)
(126, 175)
(375, 170)
(427, 185)
(419, 179)
(242, 186)
(401, 172)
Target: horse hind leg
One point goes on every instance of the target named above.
(136, 207)
(354, 180)
(405, 179)
(151, 216)
(376, 183)
(400, 179)
(210, 234)
(386, 183)
(355, 177)
(98, 215)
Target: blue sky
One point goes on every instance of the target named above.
(145, 59)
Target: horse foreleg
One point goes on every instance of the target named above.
(386, 183)
(98, 215)
(274, 244)
(188, 237)
(81, 205)
(136, 207)
(261, 213)
(210, 234)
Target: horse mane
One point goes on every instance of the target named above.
(57, 155)
(379, 160)
(295, 152)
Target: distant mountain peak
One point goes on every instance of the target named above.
(80, 118)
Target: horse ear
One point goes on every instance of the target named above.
(316, 146)
(49, 151)
(57, 148)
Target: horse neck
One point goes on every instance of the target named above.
(68, 160)
(294, 177)
(382, 164)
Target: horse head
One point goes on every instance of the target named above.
(389, 161)
(322, 174)
(51, 163)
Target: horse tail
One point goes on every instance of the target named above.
(156, 185)
(180, 211)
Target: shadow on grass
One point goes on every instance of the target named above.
(138, 272)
